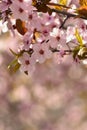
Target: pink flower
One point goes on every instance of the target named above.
(27, 63)
(4, 5)
(19, 10)
(41, 52)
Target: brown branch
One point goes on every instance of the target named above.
(68, 14)
(57, 50)
(58, 5)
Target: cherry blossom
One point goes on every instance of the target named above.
(41, 52)
(45, 28)
(19, 9)
(27, 63)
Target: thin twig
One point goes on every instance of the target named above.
(57, 50)
(61, 26)
(56, 5)
(68, 14)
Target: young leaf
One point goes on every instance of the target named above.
(79, 38)
(63, 2)
(83, 2)
(14, 65)
(20, 26)
(82, 10)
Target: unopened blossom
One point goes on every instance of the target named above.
(27, 40)
(10, 26)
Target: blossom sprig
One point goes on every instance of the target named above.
(40, 52)
(45, 27)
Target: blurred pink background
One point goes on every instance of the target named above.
(53, 98)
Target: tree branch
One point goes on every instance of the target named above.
(68, 14)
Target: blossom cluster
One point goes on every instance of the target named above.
(45, 27)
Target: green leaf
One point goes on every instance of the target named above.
(79, 38)
(75, 51)
(14, 65)
(82, 54)
(15, 54)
